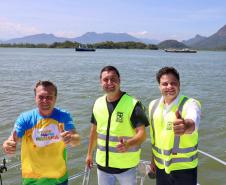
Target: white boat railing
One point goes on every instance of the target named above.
(86, 176)
(142, 169)
(212, 157)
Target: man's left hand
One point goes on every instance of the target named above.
(122, 146)
(66, 136)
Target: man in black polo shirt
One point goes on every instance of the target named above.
(117, 130)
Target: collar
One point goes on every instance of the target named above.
(174, 102)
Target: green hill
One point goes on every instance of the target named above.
(171, 44)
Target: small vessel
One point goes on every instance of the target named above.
(184, 50)
(84, 49)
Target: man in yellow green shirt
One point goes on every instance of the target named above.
(44, 133)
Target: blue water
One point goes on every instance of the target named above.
(203, 76)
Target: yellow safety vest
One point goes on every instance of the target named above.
(171, 152)
(110, 128)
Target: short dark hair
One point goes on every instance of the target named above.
(167, 70)
(45, 84)
(110, 68)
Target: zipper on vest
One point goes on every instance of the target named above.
(110, 112)
(107, 141)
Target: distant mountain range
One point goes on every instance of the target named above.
(195, 40)
(92, 37)
(87, 38)
(36, 39)
(216, 41)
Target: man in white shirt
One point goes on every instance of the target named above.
(174, 121)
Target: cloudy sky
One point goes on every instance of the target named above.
(153, 19)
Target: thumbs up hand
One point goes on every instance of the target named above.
(179, 125)
(122, 146)
(178, 114)
(61, 127)
(66, 135)
(9, 146)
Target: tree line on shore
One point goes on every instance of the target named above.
(101, 45)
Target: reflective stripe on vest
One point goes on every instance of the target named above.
(177, 138)
(115, 139)
(179, 150)
(112, 138)
(152, 120)
(176, 160)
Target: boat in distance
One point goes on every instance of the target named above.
(184, 50)
(84, 49)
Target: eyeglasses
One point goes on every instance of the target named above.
(47, 98)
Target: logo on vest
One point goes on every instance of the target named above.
(169, 125)
(119, 117)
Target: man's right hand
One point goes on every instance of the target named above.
(9, 146)
(179, 126)
(153, 167)
(89, 161)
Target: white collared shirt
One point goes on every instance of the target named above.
(192, 109)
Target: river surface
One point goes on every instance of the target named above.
(203, 76)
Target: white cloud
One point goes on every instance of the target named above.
(70, 34)
(148, 35)
(9, 29)
(140, 34)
